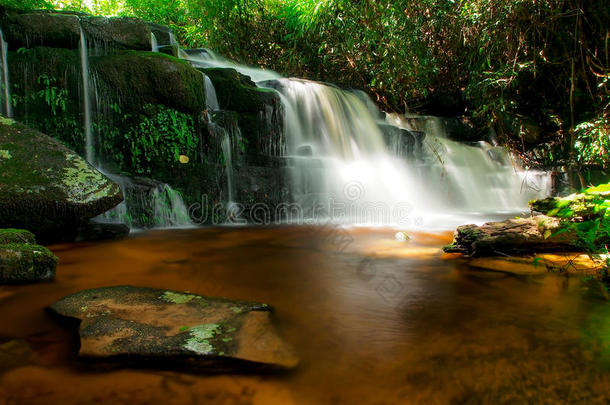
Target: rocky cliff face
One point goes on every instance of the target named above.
(149, 112)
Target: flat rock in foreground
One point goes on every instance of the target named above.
(152, 326)
(514, 236)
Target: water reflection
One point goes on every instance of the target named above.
(379, 321)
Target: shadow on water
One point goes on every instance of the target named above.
(375, 321)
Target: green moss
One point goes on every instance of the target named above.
(585, 214)
(10, 236)
(20, 263)
(179, 298)
(83, 185)
(200, 337)
(140, 78)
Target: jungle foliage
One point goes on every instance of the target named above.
(511, 64)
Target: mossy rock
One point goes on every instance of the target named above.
(26, 263)
(260, 112)
(162, 33)
(47, 84)
(137, 325)
(140, 78)
(62, 30)
(118, 32)
(236, 92)
(45, 187)
(8, 236)
(513, 236)
(41, 29)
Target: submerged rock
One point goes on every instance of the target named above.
(21, 260)
(513, 236)
(45, 187)
(99, 230)
(144, 326)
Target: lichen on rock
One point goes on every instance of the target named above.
(46, 188)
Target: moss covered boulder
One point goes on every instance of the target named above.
(513, 236)
(147, 326)
(9, 236)
(117, 32)
(45, 187)
(260, 111)
(25, 263)
(139, 78)
(21, 260)
(62, 30)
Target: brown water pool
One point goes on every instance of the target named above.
(375, 321)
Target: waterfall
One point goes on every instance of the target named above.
(210, 94)
(8, 107)
(226, 151)
(147, 204)
(153, 43)
(205, 58)
(169, 209)
(352, 163)
(349, 170)
(84, 60)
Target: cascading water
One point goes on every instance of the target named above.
(8, 107)
(154, 45)
(84, 60)
(350, 165)
(210, 94)
(148, 204)
(209, 59)
(341, 165)
(226, 151)
(169, 209)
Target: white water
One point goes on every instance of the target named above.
(226, 151)
(84, 61)
(210, 59)
(163, 202)
(210, 94)
(341, 168)
(169, 209)
(8, 107)
(154, 45)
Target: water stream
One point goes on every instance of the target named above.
(84, 60)
(6, 84)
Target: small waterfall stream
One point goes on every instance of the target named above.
(158, 202)
(84, 60)
(8, 107)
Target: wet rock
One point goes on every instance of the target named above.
(41, 29)
(162, 33)
(62, 30)
(147, 326)
(98, 230)
(45, 187)
(117, 32)
(16, 236)
(139, 78)
(513, 236)
(260, 111)
(26, 263)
